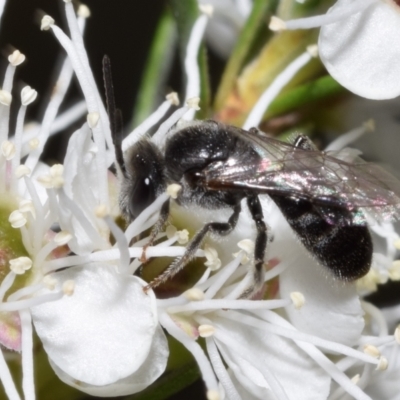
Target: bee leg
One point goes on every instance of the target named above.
(219, 228)
(254, 205)
(162, 219)
(303, 142)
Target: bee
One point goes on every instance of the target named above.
(325, 197)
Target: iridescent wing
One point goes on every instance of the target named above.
(325, 179)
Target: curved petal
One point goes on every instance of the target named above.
(150, 370)
(276, 356)
(332, 308)
(362, 52)
(102, 332)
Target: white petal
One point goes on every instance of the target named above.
(150, 370)
(332, 308)
(362, 52)
(281, 357)
(102, 332)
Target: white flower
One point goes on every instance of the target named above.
(263, 348)
(95, 311)
(358, 44)
(103, 333)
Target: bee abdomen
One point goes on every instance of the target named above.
(343, 247)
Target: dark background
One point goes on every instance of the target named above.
(122, 29)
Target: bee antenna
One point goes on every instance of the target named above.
(114, 114)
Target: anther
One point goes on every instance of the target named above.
(213, 262)
(8, 150)
(372, 351)
(297, 299)
(22, 170)
(213, 395)
(173, 98)
(383, 364)
(93, 119)
(20, 265)
(194, 294)
(62, 238)
(206, 330)
(17, 219)
(183, 236)
(173, 190)
(47, 22)
(34, 143)
(68, 287)
(193, 103)
(397, 334)
(5, 97)
(16, 58)
(206, 9)
(83, 11)
(101, 211)
(28, 95)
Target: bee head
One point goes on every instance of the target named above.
(142, 178)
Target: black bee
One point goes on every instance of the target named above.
(324, 198)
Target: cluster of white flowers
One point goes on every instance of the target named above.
(70, 272)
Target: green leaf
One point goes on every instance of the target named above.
(251, 33)
(156, 69)
(185, 13)
(312, 92)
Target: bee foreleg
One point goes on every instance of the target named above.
(254, 205)
(162, 219)
(219, 228)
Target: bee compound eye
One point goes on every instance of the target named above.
(142, 195)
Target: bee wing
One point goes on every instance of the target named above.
(325, 179)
